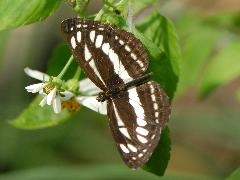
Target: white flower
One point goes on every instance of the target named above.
(57, 107)
(89, 89)
(54, 97)
(92, 103)
(34, 88)
(51, 95)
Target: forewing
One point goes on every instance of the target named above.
(109, 56)
(136, 118)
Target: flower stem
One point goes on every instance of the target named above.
(108, 4)
(64, 70)
(77, 73)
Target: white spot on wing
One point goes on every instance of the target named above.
(73, 42)
(124, 148)
(140, 63)
(137, 105)
(142, 139)
(105, 48)
(121, 42)
(87, 53)
(153, 136)
(141, 122)
(124, 131)
(99, 40)
(156, 114)
(127, 48)
(132, 148)
(155, 106)
(142, 131)
(140, 155)
(153, 97)
(119, 120)
(113, 57)
(92, 36)
(79, 25)
(134, 56)
(118, 66)
(79, 36)
(92, 64)
(139, 111)
(151, 88)
(124, 75)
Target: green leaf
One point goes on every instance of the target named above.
(235, 175)
(167, 52)
(161, 66)
(162, 32)
(35, 117)
(16, 13)
(58, 60)
(222, 69)
(108, 15)
(158, 162)
(137, 6)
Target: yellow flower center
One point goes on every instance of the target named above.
(71, 104)
(48, 88)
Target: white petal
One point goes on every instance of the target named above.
(57, 105)
(42, 93)
(43, 102)
(88, 87)
(35, 87)
(92, 103)
(67, 95)
(51, 96)
(36, 74)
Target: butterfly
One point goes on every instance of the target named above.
(116, 61)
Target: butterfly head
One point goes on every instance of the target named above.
(102, 96)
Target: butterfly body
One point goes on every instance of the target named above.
(116, 61)
(115, 90)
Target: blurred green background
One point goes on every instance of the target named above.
(205, 127)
